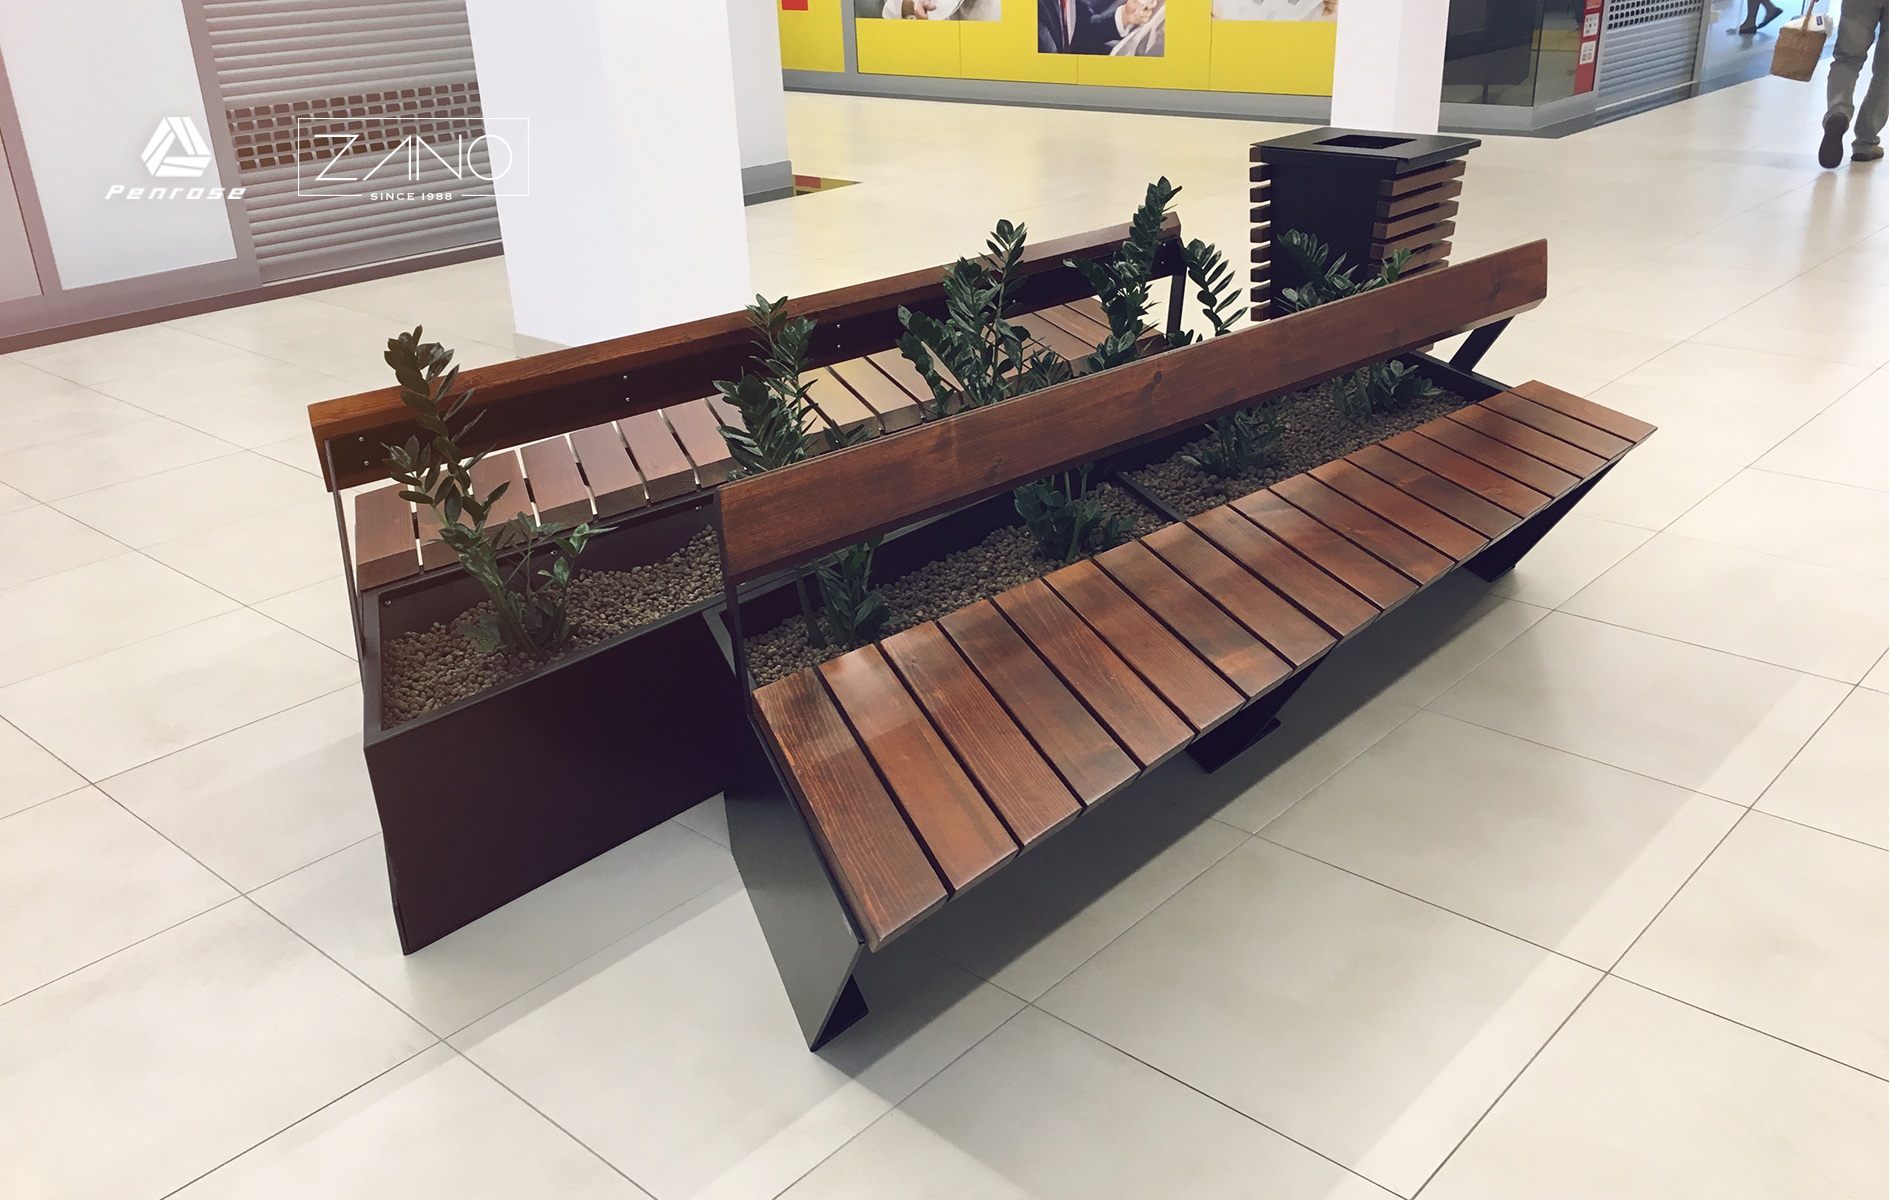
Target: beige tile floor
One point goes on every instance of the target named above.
(1570, 886)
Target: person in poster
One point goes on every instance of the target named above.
(930, 10)
(1276, 10)
(1099, 26)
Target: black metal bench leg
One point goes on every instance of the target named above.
(1474, 347)
(1495, 560)
(814, 943)
(1228, 740)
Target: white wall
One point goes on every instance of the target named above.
(635, 218)
(755, 53)
(1388, 70)
(91, 80)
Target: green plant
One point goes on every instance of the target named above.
(528, 600)
(1241, 440)
(984, 352)
(1066, 519)
(1215, 286)
(855, 611)
(1326, 280)
(1381, 387)
(1122, 281)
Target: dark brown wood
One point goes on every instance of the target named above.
(1455, 540)
(726, 413)
(1434, 490)
(501, 467)
(1325, 599)
(1418, 199)
(1243, 659)
(1331, 552)
(1048, 333)
(1436, 252)
(887, 881)
(434, 552)
(1265, 613)
(1191, 687)
(837, 404)
(894, 406)
(1403, 185)
(526, 400)
(1552, 450)
(1073, 322)
(1021, 785)
(1499, 456)
(615, 485)
(1424, 218)
(960, 833)
(897, 367)
(1586, 411)
(789, 516)
(695, 425)
(1467, 473)
(1072, 739)
(1555, 424)
(557, 489)
(1146, 726)
(1415, 240)
(383, 537)
(666, 470)
(1411, 557)
(1092, 308)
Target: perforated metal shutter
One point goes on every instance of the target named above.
(381, 71)
(1647, 53)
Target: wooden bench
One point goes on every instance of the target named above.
(919, 766)
(595, 432)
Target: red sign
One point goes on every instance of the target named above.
(1590, 44)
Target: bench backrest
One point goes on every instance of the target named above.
(549, 394)
(789, 516)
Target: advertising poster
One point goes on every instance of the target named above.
(1124, 28)
(929, 10)
(1276, 10)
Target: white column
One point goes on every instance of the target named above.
(1389, 69)
(754, 28)
(634, 217)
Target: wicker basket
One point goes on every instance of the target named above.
(1798, 50)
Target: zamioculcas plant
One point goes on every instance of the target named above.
(984, 352)
(777, 415)
(1215, 291)
(1066, 520)
(1326, 280)
(1122, 282)
(528, 600)
(1381, 387)
(855, 612)
(1241, 440)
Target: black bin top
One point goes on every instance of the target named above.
(1366, 151)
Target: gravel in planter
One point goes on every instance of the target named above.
(1316, 433)
(433, 667)
(1004, 559)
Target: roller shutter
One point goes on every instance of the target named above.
(363, 77)
(1647, 55)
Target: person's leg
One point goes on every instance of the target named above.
(1870, 114)
(1857, 28)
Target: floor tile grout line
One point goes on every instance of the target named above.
(38, 987)
(1746, 1025)
(480, 1067)
(1620, 958)
(1667, 637)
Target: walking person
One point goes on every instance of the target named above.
(1861, 24)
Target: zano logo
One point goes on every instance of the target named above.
(177, 134)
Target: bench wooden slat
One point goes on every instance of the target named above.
(886, 878)
(1451, 538)
(1329, 551)
(1048, 333)
(899, 369)
(383, 537)
(1473, 510)
(959, 831)
(695, 426)
(1025, 789)
(1146, 726)
(1392, 545)
(557, 488)
(895, 408)
(1237, 654)
(1179, 675)
(1399, 185)
(1492, 485)
(726, 413)
(1385, 231)
(1076, 744)
(1552, 450)
(666, 470)
(434, 553)
(1265, 613)
(1076, 323)
(1391, 208)
(1585, 411)
(1555, 424)
(501, 466)
(615, 485)
(1092, 308)
(836, 403)
(1499, 456)
(1325, 599)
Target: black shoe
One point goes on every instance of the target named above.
(1770, 17)
(1831, 149)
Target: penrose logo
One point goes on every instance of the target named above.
(175, 133)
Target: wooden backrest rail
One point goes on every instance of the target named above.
(549, 394)
(792, 515)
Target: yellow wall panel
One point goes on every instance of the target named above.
(1007, 49)
(908, 47)
(1185, 64)
(1281, 57)
(811, 40)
